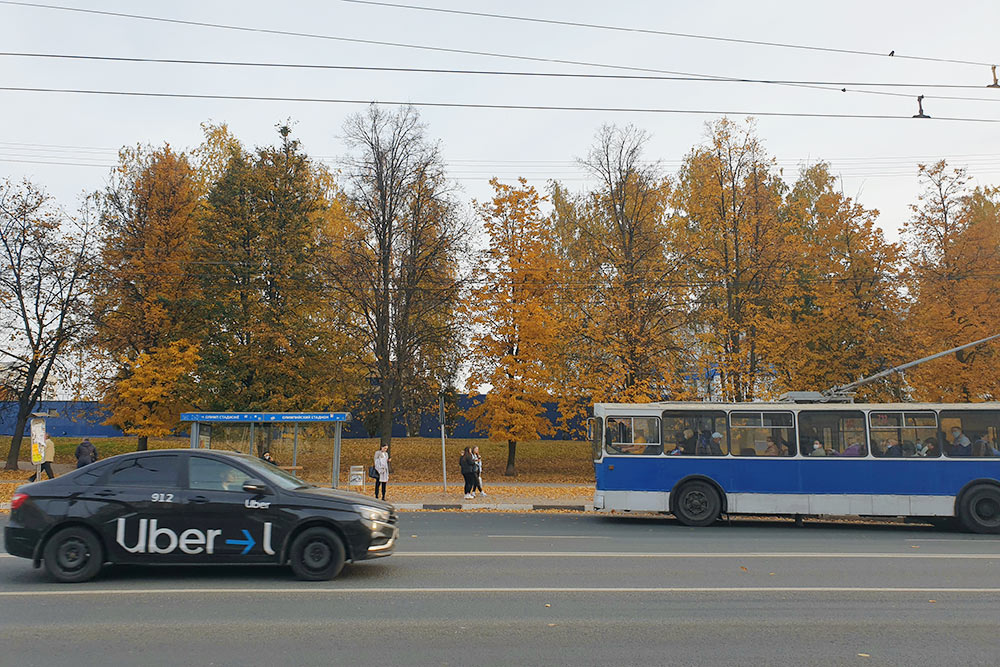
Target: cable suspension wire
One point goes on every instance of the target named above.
(840, 85)
(438, 49)
(469, 105)
(666, 33)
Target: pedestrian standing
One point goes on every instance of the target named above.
(382, 469)
(468, 466)
(50, 456)
(479, 472)
(86, 453)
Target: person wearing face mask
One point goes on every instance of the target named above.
(960, 443)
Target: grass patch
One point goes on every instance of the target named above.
(413, 459)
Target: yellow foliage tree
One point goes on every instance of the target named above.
(624, 285)
(844, 319)
(512, 313)
(954, 281)
(149, 397)
(745, 251)
(145, 293)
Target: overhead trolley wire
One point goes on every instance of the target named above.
(666, 33)
(439, 49)
(470, 105)
(702, 78)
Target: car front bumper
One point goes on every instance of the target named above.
(383, 539)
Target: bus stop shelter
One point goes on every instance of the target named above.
(201, 428)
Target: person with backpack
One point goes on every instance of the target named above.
(468, 466)
(86, 453)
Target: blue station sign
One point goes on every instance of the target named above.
(265, 417)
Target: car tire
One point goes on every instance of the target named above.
(697, 504)
(73, 555)
(317, 554)
(979, 510)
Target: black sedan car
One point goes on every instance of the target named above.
(193, 506)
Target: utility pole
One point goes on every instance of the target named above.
(444, 464)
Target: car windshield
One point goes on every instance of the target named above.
(270, 473)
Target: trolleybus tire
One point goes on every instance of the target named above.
(979, 510)
(317, 554)
(73, 555)
(697, 504)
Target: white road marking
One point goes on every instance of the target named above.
(479, 590)
(625, 554)
(558, 537)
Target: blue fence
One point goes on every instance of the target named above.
(86, 418)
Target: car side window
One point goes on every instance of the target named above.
(212, 475)
(160, 471)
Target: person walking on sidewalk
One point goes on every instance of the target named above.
(478, 484)
(50, 456)
(86, 453)
(468, 466)
(382, 468)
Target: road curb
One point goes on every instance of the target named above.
(498, 507)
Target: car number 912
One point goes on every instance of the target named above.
(163, 497)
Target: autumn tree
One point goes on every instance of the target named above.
(396, 271)
(624, 286)
(953, 240)
(745, 252)
(512, 314)
(843, 320)
(45, 259)
(145, 294)
(275, 339)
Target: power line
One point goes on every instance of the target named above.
(469, 105)
(438, 49)
(666, 33)
(433, 70)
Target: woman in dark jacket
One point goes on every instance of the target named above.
(468, 464)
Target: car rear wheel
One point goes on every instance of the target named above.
(697, 504)
(73, 555)
(980, 509)
(317, 554)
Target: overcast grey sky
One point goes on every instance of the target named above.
(66, 142)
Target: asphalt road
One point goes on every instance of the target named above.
(542, 589)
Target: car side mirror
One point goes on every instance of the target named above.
(256, 486)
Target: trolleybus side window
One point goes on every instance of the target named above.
(970, 433)
(904, 434)
(633, 435)
(840, 433)
(695, 433)
(762, 433)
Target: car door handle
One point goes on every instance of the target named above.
(105, 493)
(198, 499)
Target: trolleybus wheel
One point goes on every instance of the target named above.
(979, 510)
(73, 555)
(317, 554)
(697, 504)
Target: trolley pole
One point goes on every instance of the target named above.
(444, 464)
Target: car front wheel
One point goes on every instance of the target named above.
(317, 554)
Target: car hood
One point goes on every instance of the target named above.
(350, 497)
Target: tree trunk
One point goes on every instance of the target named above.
(143, 443)
(511, 453)
(385, 434)
(15, 440)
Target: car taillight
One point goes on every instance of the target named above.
(17, 500)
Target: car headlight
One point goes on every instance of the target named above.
(373, 513)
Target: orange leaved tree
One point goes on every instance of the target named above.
(954, 281)
(512, 315)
